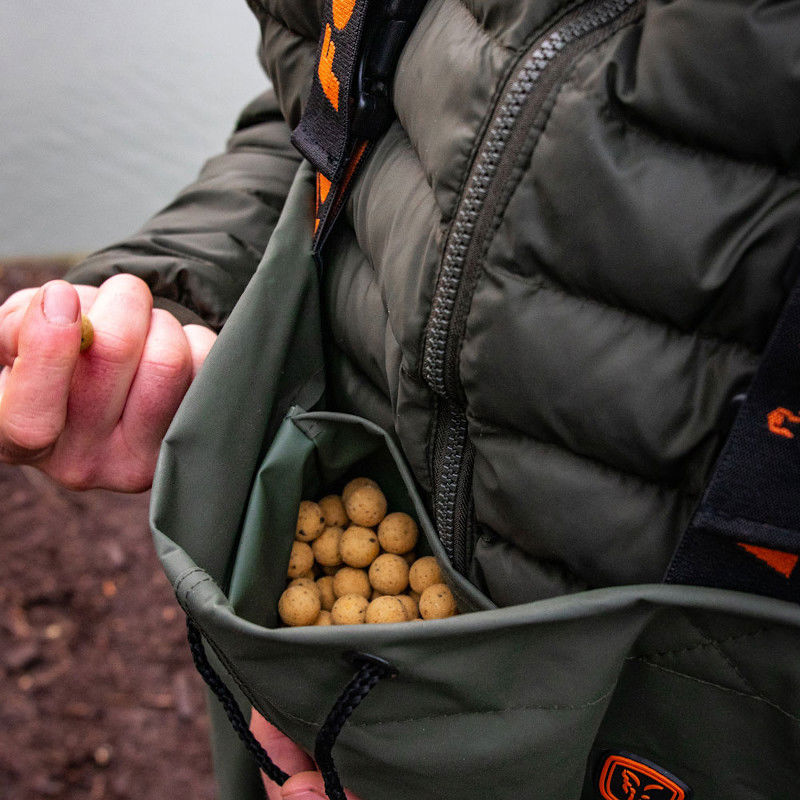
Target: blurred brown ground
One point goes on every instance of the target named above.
(98, 698)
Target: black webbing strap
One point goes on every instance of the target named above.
(349, 105)
(232, 710)
(369, 670)
(330, 198)
(323, 134)
(745, 535)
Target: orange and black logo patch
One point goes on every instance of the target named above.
(624, 776)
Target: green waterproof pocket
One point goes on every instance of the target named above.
(506, 703)
(314, 454)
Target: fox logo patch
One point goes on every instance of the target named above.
(628, 777)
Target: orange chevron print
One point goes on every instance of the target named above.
(342, 11)
(329, 81)
(777, 559)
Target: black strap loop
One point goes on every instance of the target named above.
(234, 713)
(370, 670)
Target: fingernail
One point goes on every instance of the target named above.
(60, 303)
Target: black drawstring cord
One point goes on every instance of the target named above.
(370, 670)
(231, 707)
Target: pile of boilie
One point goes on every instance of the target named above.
(352, 563)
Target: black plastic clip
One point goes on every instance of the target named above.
(388, 27)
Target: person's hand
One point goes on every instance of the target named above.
(93, 419)
(305, 782)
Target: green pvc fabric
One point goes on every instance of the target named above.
(507, 703)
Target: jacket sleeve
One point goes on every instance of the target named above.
(199, 252)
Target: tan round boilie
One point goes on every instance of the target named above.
(437, 602)
(389, 573)
(304, 580)
(326, 593)
(350, 580)
(350, 609)
(87, 333)
(424, 572)
(325, 547)
(299, 605)
(333, 510)
(324, 618)
(310, 522)
(366, 506)
(398, 533)
(410, 605)
(357, 483)
(386, 609)
(301, 560)
(359, 546)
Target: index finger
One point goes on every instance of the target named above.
(11, 314)
(33, 405)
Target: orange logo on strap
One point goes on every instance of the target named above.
(323, 187)
(777, 559)
(329, 81)
(342, 11)
(624, 778)
(776, 420)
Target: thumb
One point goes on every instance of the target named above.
(304, 786)
(307, 786)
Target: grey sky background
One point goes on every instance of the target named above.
(108, 108)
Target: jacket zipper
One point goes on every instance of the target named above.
(542, 67)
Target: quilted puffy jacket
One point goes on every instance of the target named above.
(554, 274)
